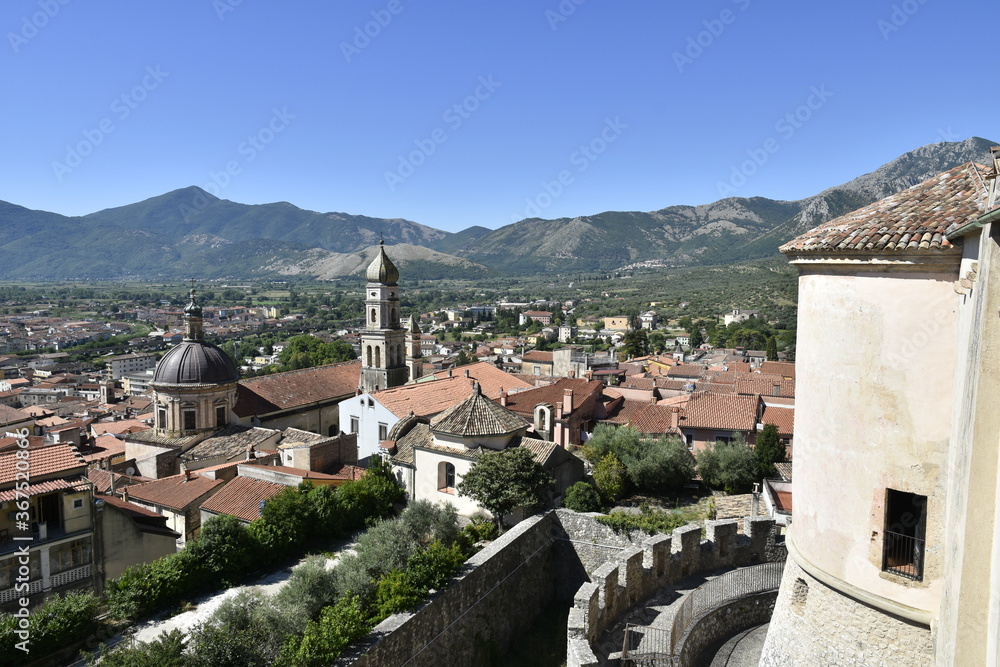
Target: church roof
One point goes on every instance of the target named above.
(195, 362)
(477, 416)
(382, 270)
(284, 391)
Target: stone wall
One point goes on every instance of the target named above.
(814, 624)
(496, 598)
(723, 622)
(662, 560)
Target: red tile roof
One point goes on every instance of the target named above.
(9, 415)
(721, 411)
(783, 418)
(105, 447)
(914, 220)
(43, 462)
(425, 399)
(35, 489)
(537, 357)
(686, 371)
(524, 402)
(283, 391)
(178, 492)
(648, 418)
(765, 386)
(241, 497)
(782, 368)
(490, 378)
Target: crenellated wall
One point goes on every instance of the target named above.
(662, 560)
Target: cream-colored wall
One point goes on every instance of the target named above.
(426, 480)
(876, 352)
(76, 519)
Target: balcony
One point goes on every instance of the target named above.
(903, 555)
(51, 534)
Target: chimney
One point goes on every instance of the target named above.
(187, 475)
(503, 398)
(571, 374)
(675, 417)
(466, 372)
(449, 372)
(559, 410)
(125, 494)
(567, 401)
(652, 398)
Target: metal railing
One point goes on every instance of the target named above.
(650, 647)
(903, 555)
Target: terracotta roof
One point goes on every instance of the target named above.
(122, 426)
(296, 472)
(35, 489)
(489, 377)
(477, 416)
(105, 447)
(915, 219)
(538, 357)
(686, 371)
(642, 383)
(714, 388)
(783, 418)
(241, 497)
(419, 436)
(283, 391)
(178, 492)
(765, 386)
(43, 462)
(9, 415)
(648, 418)
(101, 479)
(541, 450)
(784, 469)
(144, 519)
(10, 442)
(524, 402)
(425, 398)
(782, 368)
(721, 411)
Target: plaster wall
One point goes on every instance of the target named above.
(425, 483)
(369, 417)
(125, 545)
(877, 351)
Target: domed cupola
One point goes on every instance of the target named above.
(382, 270)
(194, 361)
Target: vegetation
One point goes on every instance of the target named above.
(650, 521)
(731, 465)
(503, 481)
(582, 497)
(768, 450)
(624, 460)
(62, 620)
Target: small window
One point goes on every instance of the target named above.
(189, 420)
(905, 528)
(161, 418)
(220, 416)
(383, 431)
(78, 503)
(446, 477)
(689, 439)
(354, 424)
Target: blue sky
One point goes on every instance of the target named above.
(478, 113)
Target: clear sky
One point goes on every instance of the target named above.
(482, 112)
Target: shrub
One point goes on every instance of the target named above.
(324, 640)
(481, 529)
(225, 549)
(664, 466)
(310, 588)
(165, 651)
(650, 522)
(246, 630)
(732, 465)
(611, 477)
(61, 620)
(148, 587)
(582, 497)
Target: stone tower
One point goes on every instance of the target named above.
(194, 384)
(413, 354)
(383, 340)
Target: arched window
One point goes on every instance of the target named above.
(392, 315)
(446, 477)
(378, 357)
(369, 356)
(373, 316)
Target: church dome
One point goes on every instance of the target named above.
(382, 270)
(195, 362)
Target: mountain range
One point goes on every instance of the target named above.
(189, 233)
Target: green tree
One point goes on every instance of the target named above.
(635, 343)
(503, 481)
(769, 450)
(582, 497)
(611, 477)
(731, 465)
(772, 348)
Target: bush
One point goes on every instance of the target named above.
(165, 651)
(246, 630)
(654, 466)
(61, 620)
(225, 549)
(324, 640)
(732, 466)
(611, 477)
(481, 528)
(310, 588)
(582, 497)
(649, 522)
(149, 587)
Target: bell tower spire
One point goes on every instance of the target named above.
(383, 357)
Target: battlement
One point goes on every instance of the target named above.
(661, 560)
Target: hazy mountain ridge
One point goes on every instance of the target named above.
(190, 233)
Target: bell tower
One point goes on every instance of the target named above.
(383, 340)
